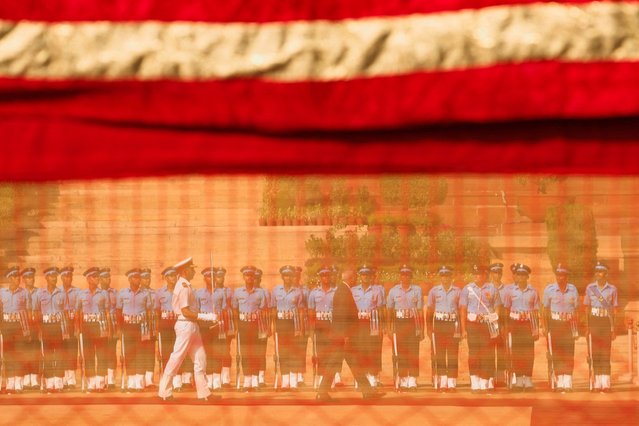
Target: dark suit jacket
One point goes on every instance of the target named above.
(345, 323)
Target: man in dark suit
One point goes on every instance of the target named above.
(344, 331)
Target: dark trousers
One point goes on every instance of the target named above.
(110, 355)
(14, 347)
(54, 351)
(250, 348)
(299, 363)
(32, 356)
(288, 346)
(481, 352)
(407, 347)
(601, 336)
(166, 340)
(95, 348)
(501, 358)
(132, 354)
(523, 348)
(368, 345)
(563, 347)
(70, 357)
(377, 354)
(352, 353)
(147, 354)
(326, 348)
(445, 348)
(214, 347)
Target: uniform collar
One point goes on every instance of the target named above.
(528, 287)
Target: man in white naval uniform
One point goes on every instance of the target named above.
(187, 336)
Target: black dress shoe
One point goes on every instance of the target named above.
(373, 395)
(323, 397)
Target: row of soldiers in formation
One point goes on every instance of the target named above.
(46, 331)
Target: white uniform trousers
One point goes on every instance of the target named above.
(187, 341)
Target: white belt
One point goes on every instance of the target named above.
(285, 315)
(50, 318)
(71, 314)
(167, 315)
(133, 319)
(252, 316)
(446, 316)
(599, 312)
(404, 313)
(366, 315)
(473, 317)
(324, 315)
(91, 317)
(520, 315)
(11, 317)
(562, 316)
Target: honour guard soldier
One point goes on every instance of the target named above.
(166, 323)
(250, 304)
(262, 342)
(287, 302)
(377, 360)
(15, 329)
(443, 324)
(479, 303)
(370, 302)
(600, 301)
(212, 301)
(301, 342)
(320, 311)
(501, 353)
(405, 304)
(521, 307)
(227, 324)
(148, 347)
(49, 311)
(92, 308)
(70, 361)
(111, 357)
(133, 306)
(32, 353)
(559, 319)
(188, 340)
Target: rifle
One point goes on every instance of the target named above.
(238, 361)
(509, 370)
(160, 353)
(42, 379)
(590, 364)
(434, 361)
(123, 362)
(1, 359)
(314, 359)
(395, 362)
(276, 359)
(82, 360)
(551, 364)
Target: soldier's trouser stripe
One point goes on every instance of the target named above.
(601, 344)
(447, 349)
(523, 348)
(481, 353)
(407, 347)
(563, 347)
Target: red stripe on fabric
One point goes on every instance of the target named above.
(233, 10)
(54, 149)
(547, 90)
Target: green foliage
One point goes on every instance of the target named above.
(424, 251)
(572, 240)
(413, 191)
(314, 199)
